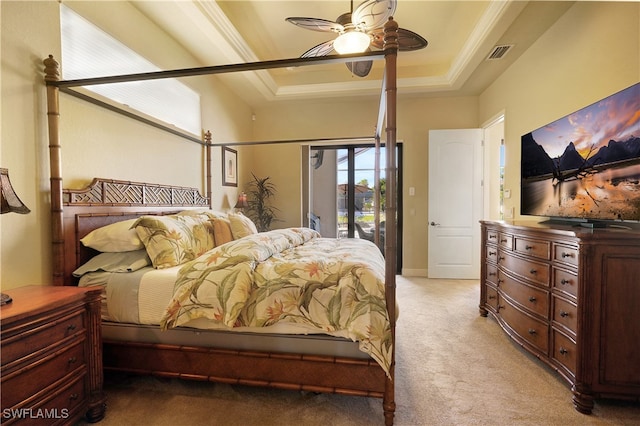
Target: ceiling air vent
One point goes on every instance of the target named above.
(498, 52)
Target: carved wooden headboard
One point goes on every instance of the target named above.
(107, 201)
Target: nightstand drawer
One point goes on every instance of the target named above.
(21, 384)
(40, 336)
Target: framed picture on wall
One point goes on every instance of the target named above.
(229, 167)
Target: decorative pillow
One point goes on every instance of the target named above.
(126, 261)
(175, 239)
(222, 231)
(116, 237)
(241, 226)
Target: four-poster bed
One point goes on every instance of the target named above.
(317, 363)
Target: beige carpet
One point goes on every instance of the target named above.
(453, 368)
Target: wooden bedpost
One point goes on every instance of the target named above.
(390, 55)
(207, 156)
(52, 73)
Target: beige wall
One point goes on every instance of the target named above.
(96, 143)
(416, 116)
(592, 52)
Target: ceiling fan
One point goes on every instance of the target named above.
(358, 31)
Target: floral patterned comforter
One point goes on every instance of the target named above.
(289, 275)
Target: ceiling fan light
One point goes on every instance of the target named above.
(351, 42)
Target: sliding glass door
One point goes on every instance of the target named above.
(343, 202)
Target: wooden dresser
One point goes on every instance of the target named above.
(571, 297)
(51, 356)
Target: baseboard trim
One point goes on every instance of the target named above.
(414, 272)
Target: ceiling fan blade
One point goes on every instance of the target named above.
(316, 24)
(373, 14)
(322, 49)
(407, 40)
(360, 68)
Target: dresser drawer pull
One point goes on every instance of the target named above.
(504, 240)
(492, 253)
(567, 255)
(533, 271)
(492, 236)
(492, 297)
(563, 351)
(532, 331)
(73, 397)
(528, 247)
(500, 258)
(72, 360)
(564, 281)
(71, 327)
(532, 298)
(564, 314)
(492, 274)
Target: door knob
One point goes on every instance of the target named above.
(434, 224)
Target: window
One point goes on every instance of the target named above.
(87, 51)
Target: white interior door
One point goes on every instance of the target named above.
(455, 203)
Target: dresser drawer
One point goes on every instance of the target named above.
(531, 330)
(21, 384)
(531, 270)
(40, 336)
(565, 313)
(492, 274)
(492, 254)
(529, 247)
(566, 282)
(505, 241)
(529, 297)
(492, 236)
(565, 254)
(492, 298)
(564, 351)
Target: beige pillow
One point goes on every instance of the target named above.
(241, 226)
(222, 231)
(116, 237)
(175, 239)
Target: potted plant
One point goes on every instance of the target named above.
(259, 195)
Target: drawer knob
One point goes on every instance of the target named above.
(533, 271)
(564, 281)
(528, 247)
(492, 297)
(492, 274)
(564, 314)
(72, 360)
(71, 327)
(492, 236)
(566, 255)
(532, 331)
(503, 240)
(73, 397)
(532, 298)
(500, 258)
(492, 253)
(563, 351)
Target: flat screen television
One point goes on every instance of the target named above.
(585, 167)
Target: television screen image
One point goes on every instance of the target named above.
(586, 165)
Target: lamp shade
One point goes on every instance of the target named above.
(242, 201)
(10, 201)
(351, 42)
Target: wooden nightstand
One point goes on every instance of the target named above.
(51, 353)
